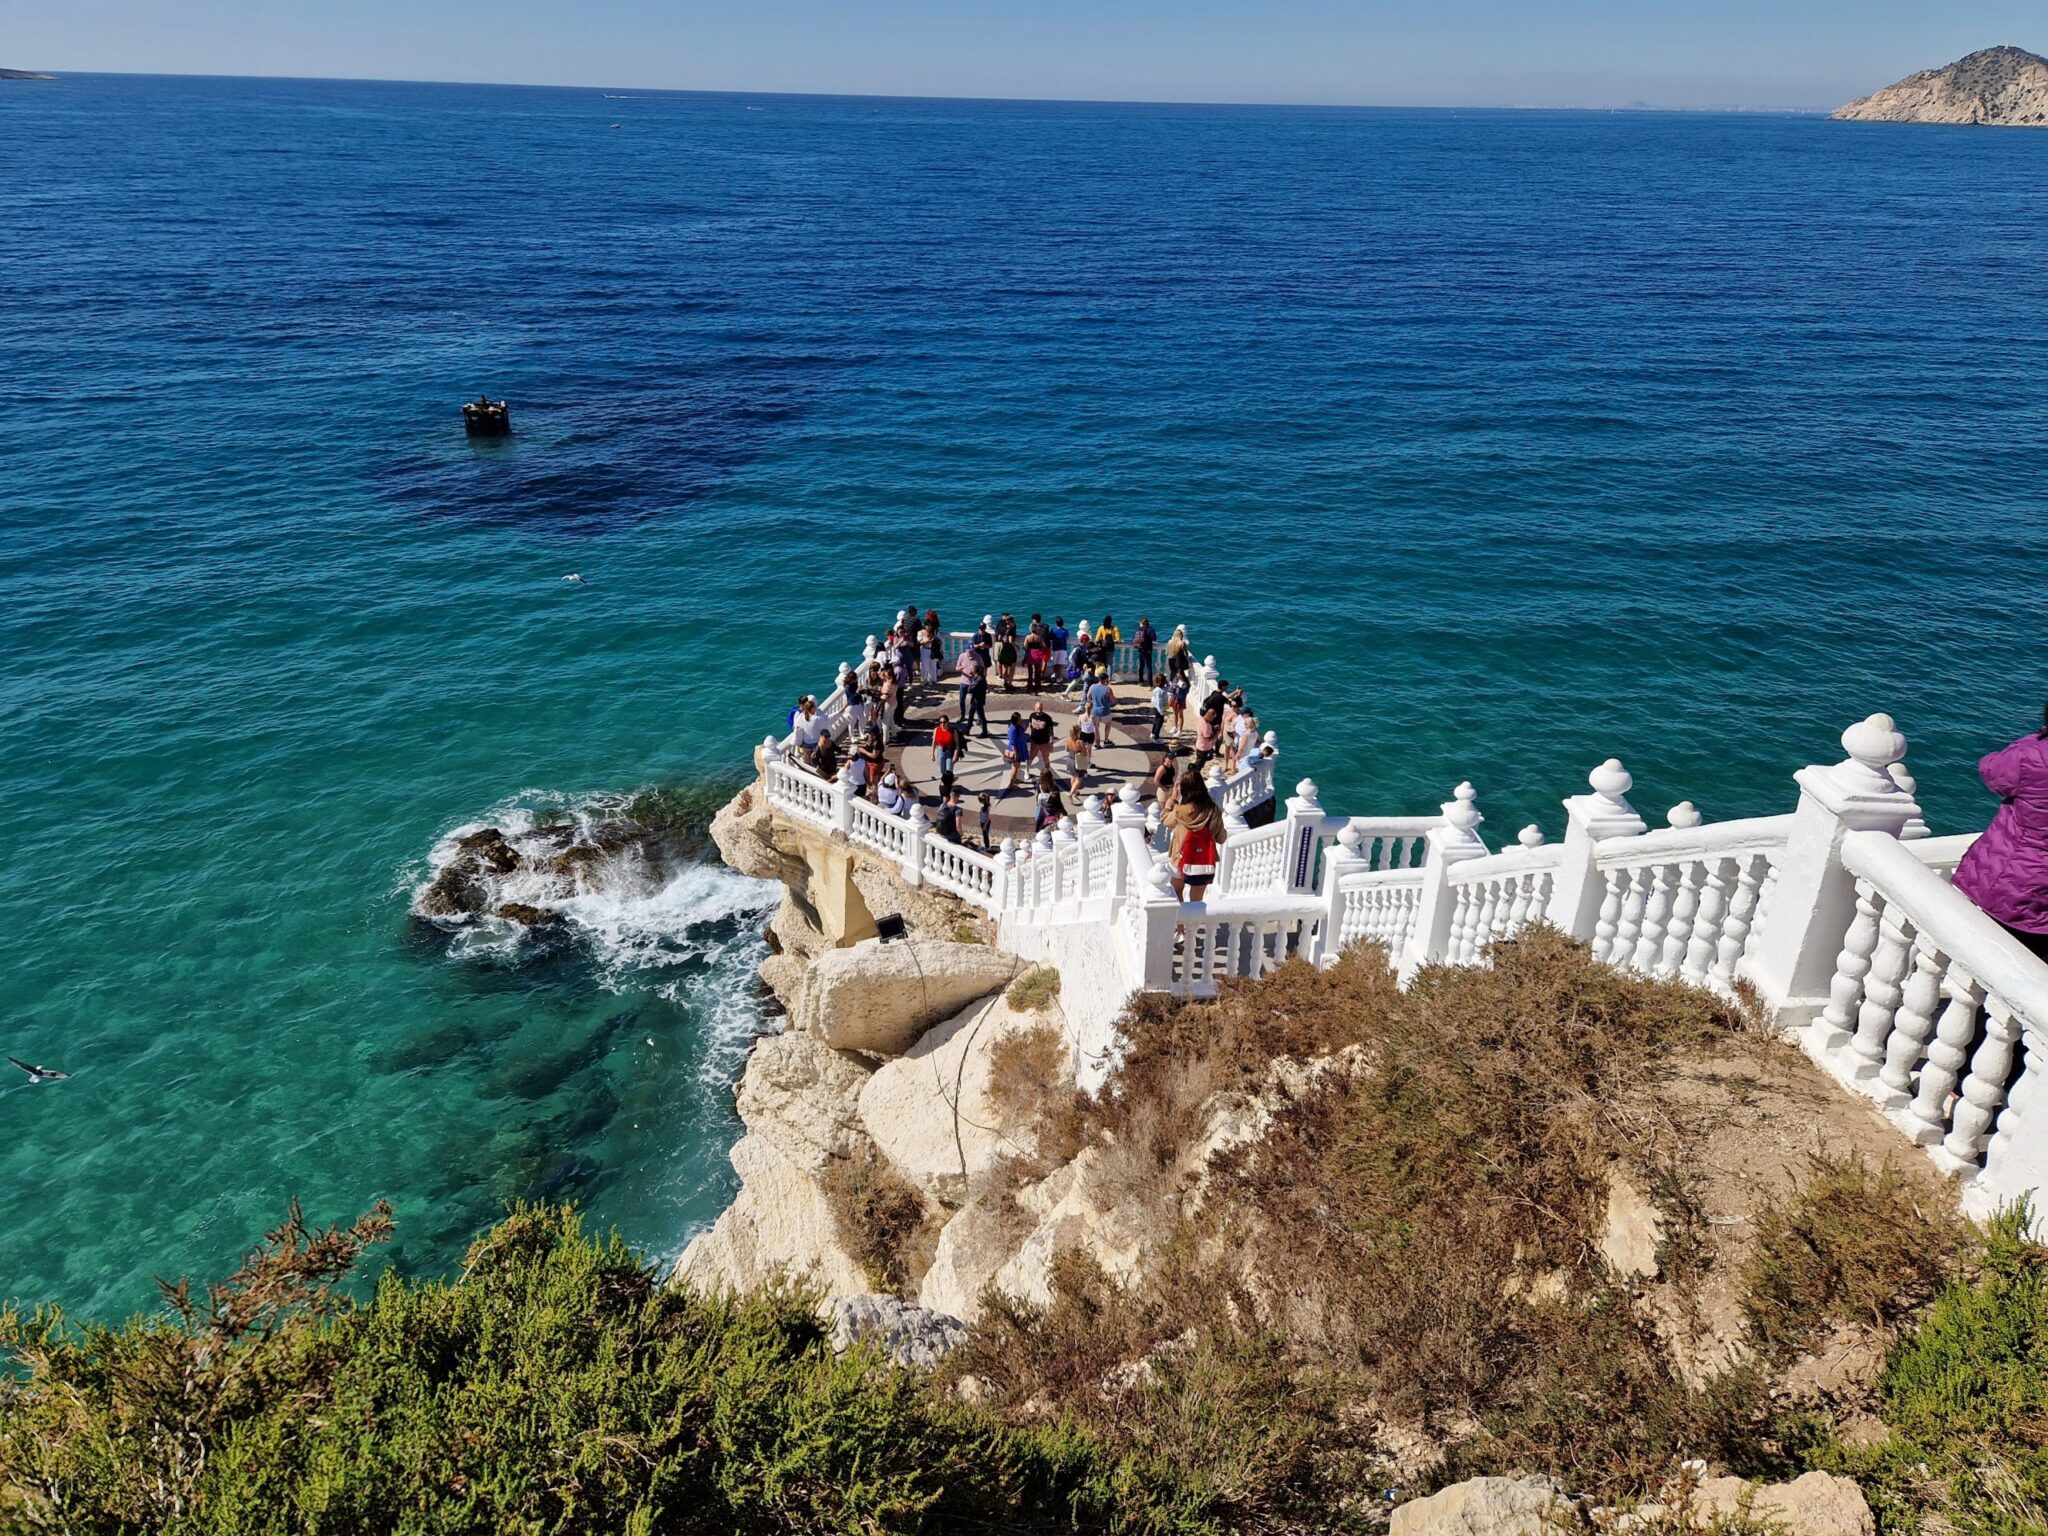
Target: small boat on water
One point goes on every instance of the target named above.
(485, 417)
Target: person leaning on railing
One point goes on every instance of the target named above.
(2006, 870)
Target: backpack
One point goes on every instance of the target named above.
(1198, 855)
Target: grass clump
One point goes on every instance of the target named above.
(1027, 1068)
(1034, 990)
(1965, 1394)
(556, 1386)
(881, 1219)
(1855, 1244)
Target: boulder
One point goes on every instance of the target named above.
(909, 1105)
(879, 998)
(912, 1336)
(803, 1098)
(489, 849)
(972, 1247)
(1817, 1504)
(744, 834)
(1078, 1207)
(780, 1223)
(455, 892)
(527, 915)
(1490, 1506)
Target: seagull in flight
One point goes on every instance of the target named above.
(39, 1074)
(577, 577)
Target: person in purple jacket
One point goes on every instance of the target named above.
(2006, 870)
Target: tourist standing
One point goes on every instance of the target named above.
(1177, 703)
(1051, 809)
(1197, 836)
(893, 698)
(1180, 660)
(1040, 728)
(1102, 705)
(970, 674)
(1208, 727)
(977, 691)
(2006, 870)
(1016, 748)
(949, 814)
(1059, 645)
(826, 759)
(1035, 656)
(871, 762)
(1075, 765)
(807, 728)
(1145, 640)
(944, 741)
(1006, 652)
(1162, 700)
(987, 817)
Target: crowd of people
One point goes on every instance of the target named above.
(1077, 665)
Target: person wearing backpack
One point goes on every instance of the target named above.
(1198, 835)
(1145, 639)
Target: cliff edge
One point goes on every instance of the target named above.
(1996, 87)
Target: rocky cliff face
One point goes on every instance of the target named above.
(1996, 87)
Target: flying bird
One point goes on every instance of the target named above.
(39, 1074)
(577, 577)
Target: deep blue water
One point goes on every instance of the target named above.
(1475, 444)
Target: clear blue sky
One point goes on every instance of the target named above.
(1772, 53)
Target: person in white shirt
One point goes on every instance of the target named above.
(808, 728)
(1161, 697)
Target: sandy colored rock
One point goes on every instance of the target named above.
(779, 1223)
(909, 1105)
(1994, 87)
(803, 1097)
(1634, 1229)
(1818, 1504)
(1085, 1205)
(879, 998)
(743, 831)
(1490, 1506)
(972, 1247)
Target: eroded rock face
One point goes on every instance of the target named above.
(931, 1109)
(1491, 1506)
(1996, 87)
(780, 1223)
(803, 1098)
(744, 836)
(972, 1247)
(910, 1335)
(879, 998)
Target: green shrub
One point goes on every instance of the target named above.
(1034, 990)
(556, 1386)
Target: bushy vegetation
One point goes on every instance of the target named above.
(554, 1386)
(881, 1219)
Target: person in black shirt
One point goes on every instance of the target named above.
(1039, 727)
(1145, 638)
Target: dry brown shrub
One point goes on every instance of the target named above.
(1852, 1244)
(1026, 1070)
(882, 1220)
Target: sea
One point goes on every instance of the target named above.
(1475, 445)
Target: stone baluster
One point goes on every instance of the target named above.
(1635, 898)
(1155, 828)
(1914, 1023)
(1343, 858)
(1845, 991)
(1983, 1089)
(1607, 925)
(1946, 1056)
(1710, 907)
(1685, 906)
(2015, 1155)
(1813, 900)
(1882, 990)
(1128, 817)
(1094, 812)
(1006, 875)
(915, 828)
(1580, 890)
(1450, 844)
(1742, 901)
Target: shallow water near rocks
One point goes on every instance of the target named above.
(1476, 445)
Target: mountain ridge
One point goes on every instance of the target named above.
(2001, 87)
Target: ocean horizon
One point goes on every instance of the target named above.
(1476, 443)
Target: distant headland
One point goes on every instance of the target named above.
(1995, 87)
(23, 74)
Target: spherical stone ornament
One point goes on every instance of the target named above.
(1306, 790)
(1530, 836)
(1350, 838)
(1128, 795)
(1684, 814)
(1610, 780)
(1460, 811)
(1875, 742)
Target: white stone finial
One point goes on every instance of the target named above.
(917, 818)
(1045, 839)
(1128, 795)
(1530, 836)
(1159, 880)
(1096, 810)
(1270, 738)
(1066, 829)
(846, 774)
(1006, 851)
(1460, 810)
(1350, 838)
(1611, 781)
(1684, 814)
(1306, 790)
(1875, 742)
(1210, 663)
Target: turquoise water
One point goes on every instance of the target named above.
(1476, 445)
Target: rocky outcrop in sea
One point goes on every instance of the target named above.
(1994, 87)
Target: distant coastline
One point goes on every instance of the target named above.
(23, 74)
(2002, 87)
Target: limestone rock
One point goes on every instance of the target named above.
(779, 1223)
(744, 834)
(803, 1098)
(972, 1247)
(879, 997)
(909, 1105)
(912, 1336)
(927, 911)
(1818, 1504)
(1490, 1506)
(1078, 1208)
(1634, 1230)
(1998, 87)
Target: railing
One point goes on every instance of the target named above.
(959, 869)
(872, 827)
(1496, 897)
(1939, 1015)
(1253, 863)
(1683, 902)
(1244, 937)
(1377, 906)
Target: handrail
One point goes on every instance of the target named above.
(1941, 853)
(1956, 925)
(1409, 875)
(1756, 834)
(1509, 861)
